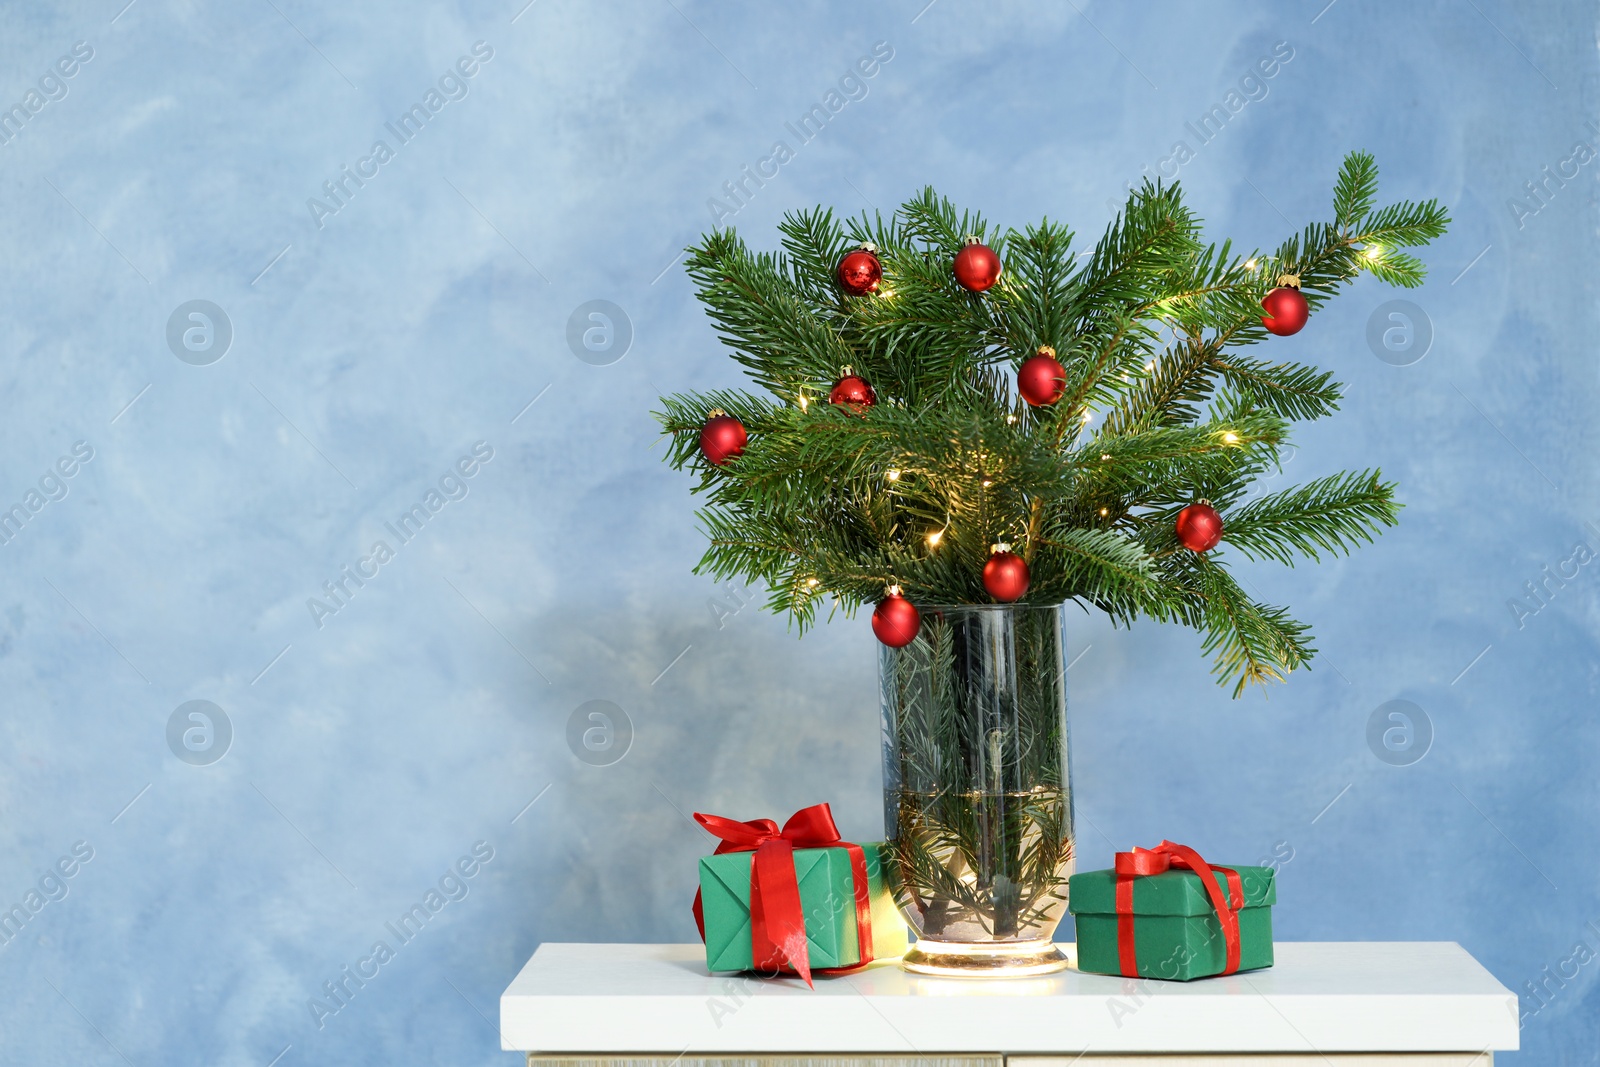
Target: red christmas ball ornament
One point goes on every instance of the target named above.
(852, 391)
(722, 438)
(1042, 379)
(896, 620)
(861, 271)
(976, 266)
(1199, 527)
(1286, 307)
(1005, 575)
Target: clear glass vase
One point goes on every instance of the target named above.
(977, 793)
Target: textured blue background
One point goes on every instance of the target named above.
(426, 314)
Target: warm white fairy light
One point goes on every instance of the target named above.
(1105, 511)
(812, 583)
(803, 402)
(892, 475)
(987, 483)
(1250, 265)
(934, 538)
(1373, 251)
(1230, 438)
(1011, 419)
(1104, 456)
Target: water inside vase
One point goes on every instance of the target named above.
(982, 866)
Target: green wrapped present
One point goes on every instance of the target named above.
(825, 909)
(1153, 916)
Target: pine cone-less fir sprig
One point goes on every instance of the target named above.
(1161, 402)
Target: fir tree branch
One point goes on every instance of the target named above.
(1354, 191)
(829, 504)
(1291, 390)
(1249, 643)
(1331, 515)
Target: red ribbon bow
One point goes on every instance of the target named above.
(1131, 866)
(777, 924)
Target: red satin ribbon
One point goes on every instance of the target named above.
(1131, 866)
(777, 923)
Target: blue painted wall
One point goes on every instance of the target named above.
(388, 344)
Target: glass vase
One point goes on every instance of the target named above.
(977, 793)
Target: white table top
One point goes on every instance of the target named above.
(1321, 996)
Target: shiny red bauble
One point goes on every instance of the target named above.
(1199, 527)
(1286, 309)
(854, 392)
(896, 621)
(860, 271)
(1042, 379)
(976, 266)
(1005, 576)
(722, 438)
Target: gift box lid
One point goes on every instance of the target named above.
(1174, 892)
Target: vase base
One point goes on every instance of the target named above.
(988, 959)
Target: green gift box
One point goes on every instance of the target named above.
(827, 902)
(1176, 932)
